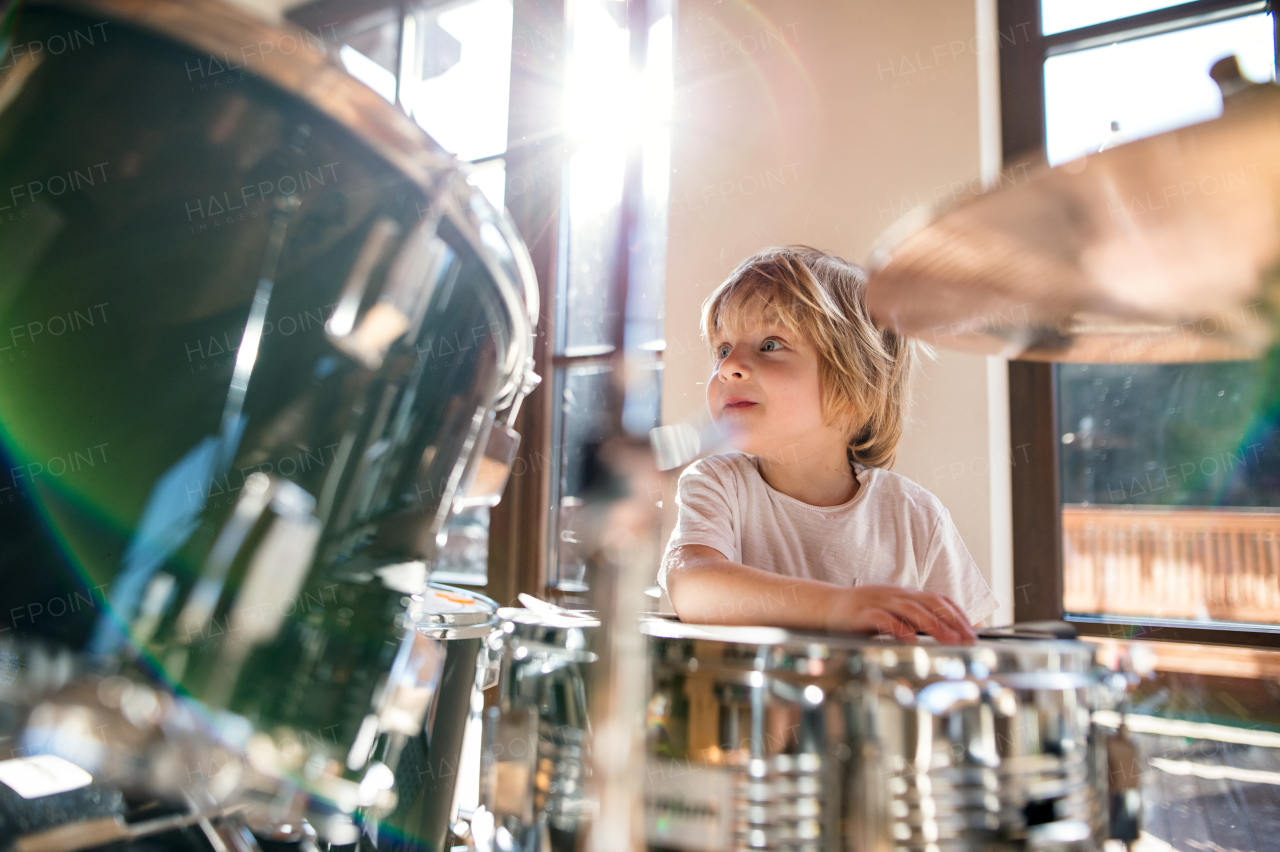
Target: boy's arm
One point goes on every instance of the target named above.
(707, 588)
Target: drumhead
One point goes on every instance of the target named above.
(549, 637)
(519, 615)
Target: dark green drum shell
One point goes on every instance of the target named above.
(137, 199)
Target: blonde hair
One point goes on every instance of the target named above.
(862, 367)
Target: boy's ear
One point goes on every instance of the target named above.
(844, 417)
(852, 421)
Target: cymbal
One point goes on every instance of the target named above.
(1160, 250)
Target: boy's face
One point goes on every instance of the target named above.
(764, 392)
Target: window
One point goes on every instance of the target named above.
(562, 112)
(448, 66)
(613, 243)
(1149, 506)
(1107, 95)
(1144, 494)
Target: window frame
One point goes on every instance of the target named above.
(1033, 386)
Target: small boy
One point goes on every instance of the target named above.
(805, 528)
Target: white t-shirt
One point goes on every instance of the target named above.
(892, 532)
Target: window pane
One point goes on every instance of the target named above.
(1058, 16)
(1123, 426)
(590, 301)
(642, 410)
(598, 103)
(368, 72)
(600, 120)
(1170, 476)
(491, 178)
(581, 420)
(369, 48)
(1169, 472)
(646, 282)
(1104, 96)
(457, 75)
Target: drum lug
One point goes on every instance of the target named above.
(490, 664)
(487, 472)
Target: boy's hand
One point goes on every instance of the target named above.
(897, 613)
(706, 588)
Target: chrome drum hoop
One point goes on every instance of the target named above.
(989, 744)
(778, 740)
(748, 743)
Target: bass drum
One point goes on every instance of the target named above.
(258, 332)
(765, 739)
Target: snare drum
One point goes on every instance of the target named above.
(536, 737)
(761, 738)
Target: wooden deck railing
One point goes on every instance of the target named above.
(1222, 564)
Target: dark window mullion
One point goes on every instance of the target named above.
(535, 147)
(1159, 21)
(338, 13)
(1149, 629)
(1037, 539)
(1275, 40)
(1021, 82)
(571, 361)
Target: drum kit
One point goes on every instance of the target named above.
(767, 739)
(762, 738)
(292, 340)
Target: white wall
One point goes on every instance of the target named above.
(821, 122)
